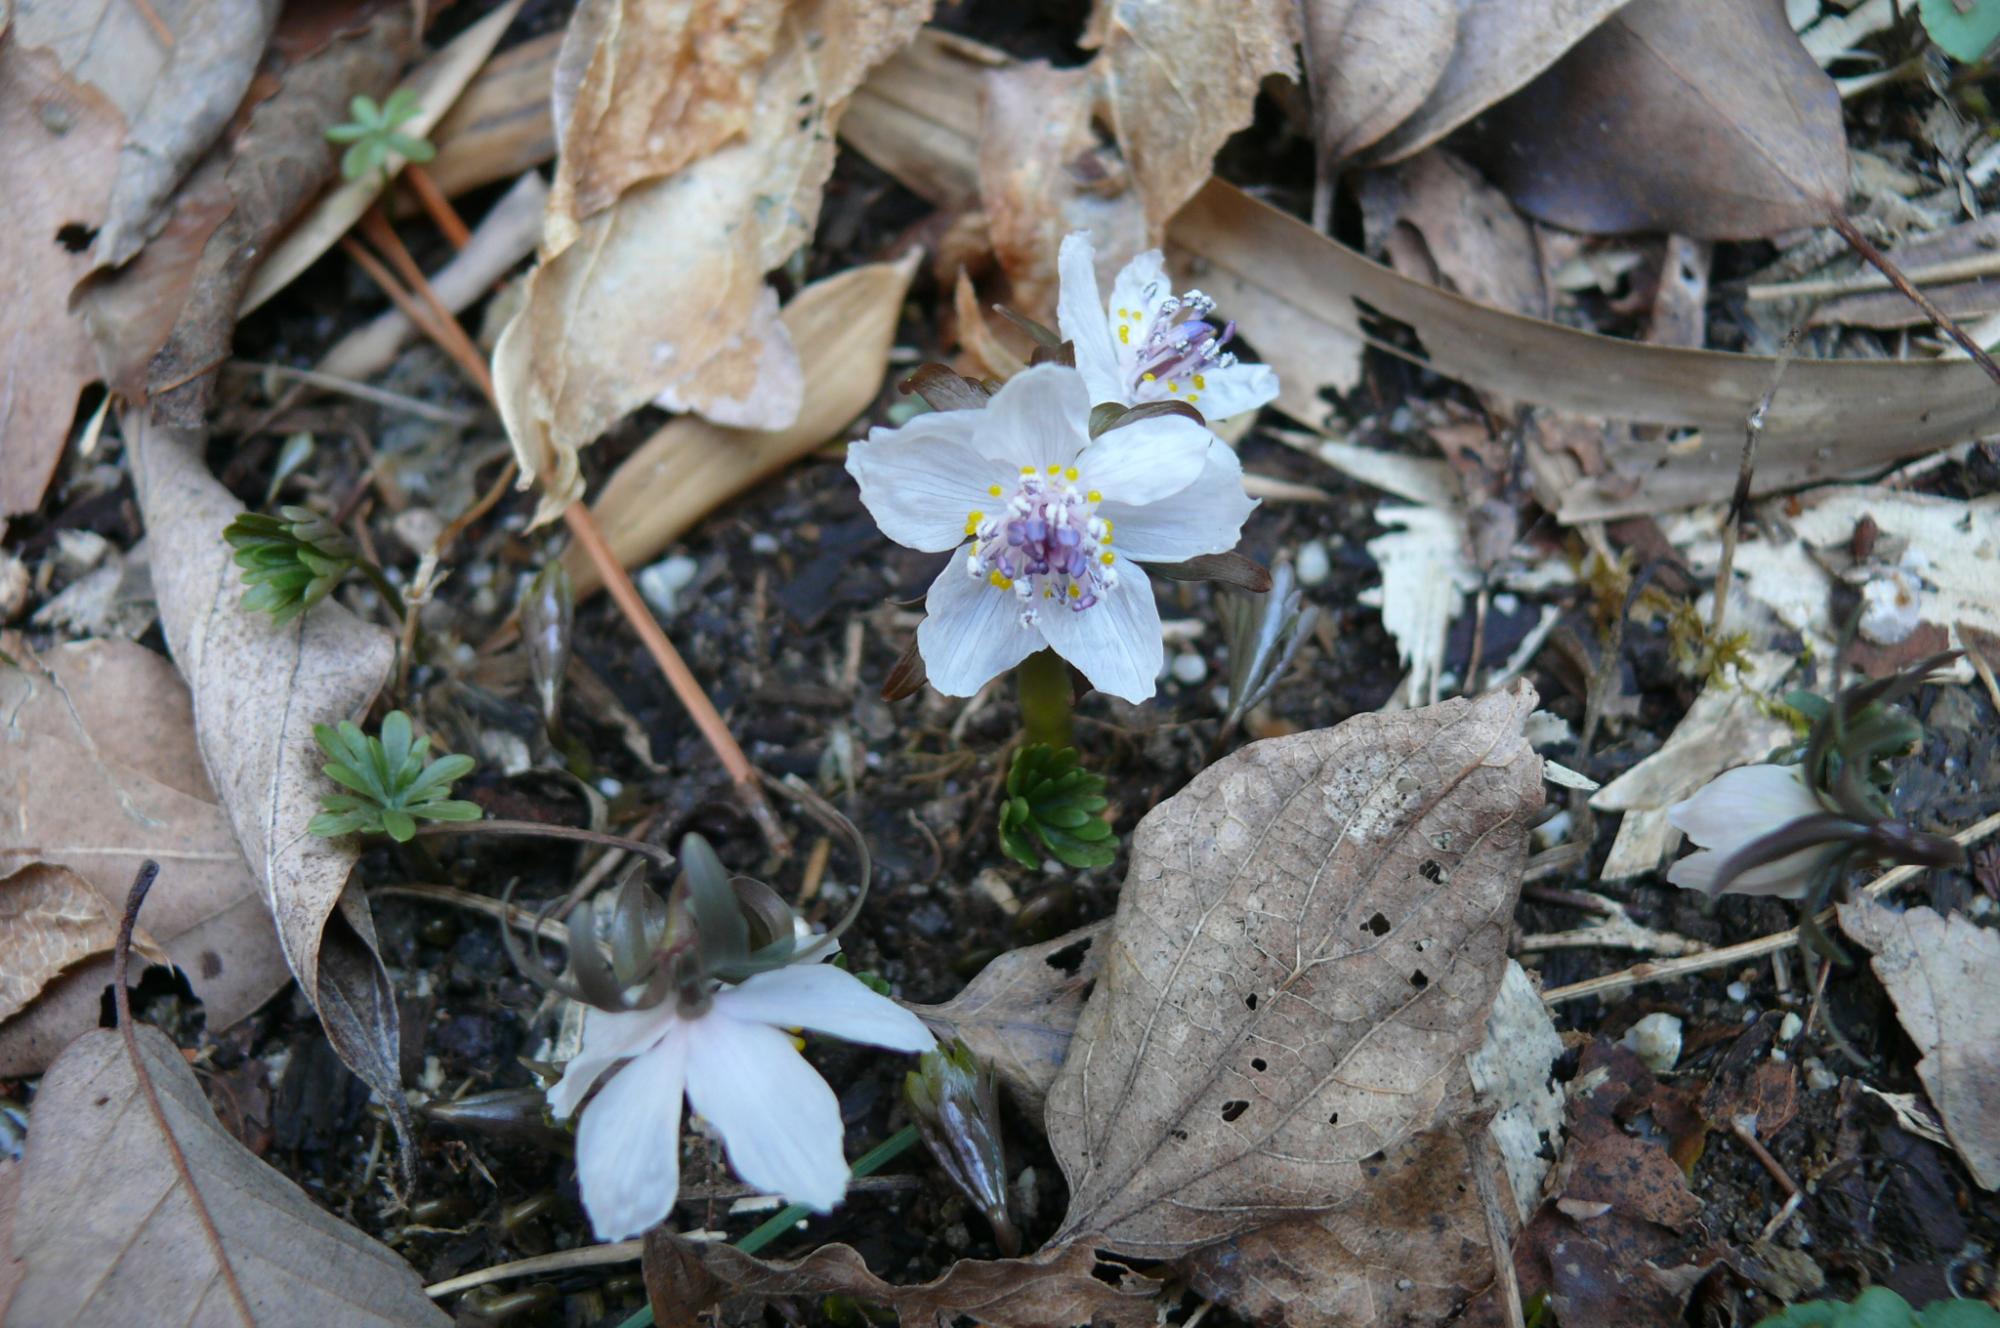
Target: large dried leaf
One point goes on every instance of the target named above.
(106, 1231)
(50, 918)
(661, 296)
(101, 771)
(1306, 946)
(1944, 975)
(1371, 64)
(1439, 220)
(842, 326)
(1056, 1286)
(1705, 118)
(58, 140)
(258, 690)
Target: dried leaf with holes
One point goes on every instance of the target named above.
(106, 1231)
(1306, 947)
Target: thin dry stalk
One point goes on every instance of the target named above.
(443, 215)
(1881, 262)
(1739, 502)
(589, 1256)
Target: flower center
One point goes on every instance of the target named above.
(1047, 545)
(1177, 346)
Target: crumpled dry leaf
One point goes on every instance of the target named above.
(1701, 117)
(1055, 1286)
(661, 296)
(1425, 577)
(58, 140)
(101, 771)
(50, 918)
(1019, 1013)
(1440, 221)
(258, 690)
(105, 1232)
(1370, 64)
(843, 326)
(1306, 946)
(1944, 975)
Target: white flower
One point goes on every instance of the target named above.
(778, 1119)
(1150, 344)
(1737, 807)
(1047, 524)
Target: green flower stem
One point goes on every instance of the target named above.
(785, 1218)
(1043, 680)
(382, 587)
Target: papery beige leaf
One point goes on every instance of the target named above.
(51, 918)
(978, 337)
(661, 297)
(1019, 1014)
(1179, 79)
(1438, 220)
(100, 770)
(1943, 973)
(502, 124)
(1370, 64)
(843, 326)
(1306, 946)
(58, 140)
(106, 1232)
(258, 690)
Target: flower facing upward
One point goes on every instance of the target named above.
(1735, 808)
(739, 1068)
(1151, 344)
(1048, 524)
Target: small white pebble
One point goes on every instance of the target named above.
(1778, 1055)
(1314, 564)
(763, 543)
(1656, 1040)
(1891, 607)
(13, 587)
(1189, 668)
(1739, 992)
(1788, 1028)
(1553, 831)
(610, 787)
(1818, 1077)
(662, 582)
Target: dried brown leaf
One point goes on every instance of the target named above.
(1437, 217)
(1305, 949)
(502, 125)
(1706, 118)
(1056, 1286)
(101, 770)
(1371, 64)
(1943, 973)
(1969, 240)
(107, 1233)
(258, 690)
(843, 326)
(58, 141)
(661, 296)
(51, 918)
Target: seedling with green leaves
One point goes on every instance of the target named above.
(293, 560)
(372, 135)
(1879, 1307)
(394, 784)
(1055, 808)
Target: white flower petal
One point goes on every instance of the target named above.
(827, 1000)
(1142, 287)
(971, 632)
(1081, 319)
(1116, 641)
(628, 1146)
(1743, 804)
(1145, 461)
(608, 1037)
(1041, 417)
(778, 1119)
(1233, 390)
(919, 482)
(1205, 517)
(1787, 878)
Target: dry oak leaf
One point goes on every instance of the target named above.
(50, 918)
(661, 296)
(1305, 949)
(1943, 973)
(100, 770)
(107, 1233)
(258, 690)
(1370, 65)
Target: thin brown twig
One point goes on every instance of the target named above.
(514, 915)
(1484, 1158)
(1739, 502)
(443, 215)
(120, 960)
(155, 22)
(1881, 262)
(538, 830)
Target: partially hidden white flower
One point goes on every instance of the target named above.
(779, 1121)
(1739, 806)
(1149, 343)
(1050, 527)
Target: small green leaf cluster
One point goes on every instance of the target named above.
(1054, 803)
(291, 561)
(1879, 1307)
(394, 784)
(1962, 31)
(372, 134)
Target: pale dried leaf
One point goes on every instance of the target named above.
(1019, 1014)
(1943, 973)
(1371, 64)
(106, 1232)
(1306, 947)
(843, 326)
(258, 690)
(58, 140)
(1513, 1075)
(1725, 726)
(1425, 577)
(1438, 211)
(502, 125)
(1179, 80)
(661, 296)
(978, 336)
(101, 771)
(50, 918)
(10, 1200)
